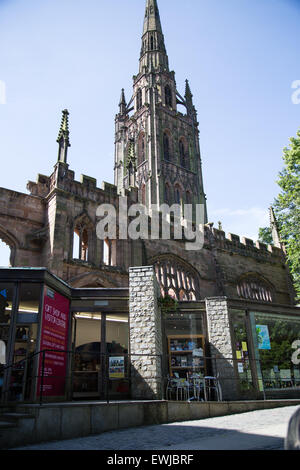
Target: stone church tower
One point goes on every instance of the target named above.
(157, 148)
(157, 160)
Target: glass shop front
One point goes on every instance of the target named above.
(267, 351)
(100, 338)
(185, 348)
(58, 342)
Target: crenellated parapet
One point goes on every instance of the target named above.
(245, 246)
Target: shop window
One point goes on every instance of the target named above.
(276, 337)
(29, 302)
(2, 352)
(25, 340)
(87, 358)
(184, 323)
(101, 341)
(117, 340)
(6, 296)
(6, 306)
(241, 350)
(254, 288)
(176, 280)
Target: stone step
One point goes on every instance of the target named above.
(7, 424)
(14, 416)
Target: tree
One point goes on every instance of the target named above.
(265, 235)
(287, 208)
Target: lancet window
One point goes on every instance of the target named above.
(168, 95)
(139, 99)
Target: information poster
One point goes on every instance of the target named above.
(54, 338)
(116, 367)
(263, 337)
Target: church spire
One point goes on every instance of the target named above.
(152, 18)
(153, 43)
(63, 137)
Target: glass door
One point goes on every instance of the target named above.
(100, 362)
(87, 360)
(22, 377)
(6, 305)
(117, 339)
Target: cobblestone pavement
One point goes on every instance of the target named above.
(257, 430)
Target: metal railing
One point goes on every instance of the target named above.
(52, 375)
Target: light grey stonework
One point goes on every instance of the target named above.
(219, 337)
(145, 333)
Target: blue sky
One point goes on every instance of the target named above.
(240, 56)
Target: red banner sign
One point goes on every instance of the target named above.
(54, 338)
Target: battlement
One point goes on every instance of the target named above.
(244, 245)
(64, 179)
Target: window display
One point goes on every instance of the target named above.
(101, 347)
(186, 355)
(242, 354)
(275, 335)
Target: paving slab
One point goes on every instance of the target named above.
(256, 430)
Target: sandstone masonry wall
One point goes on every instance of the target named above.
(219, 337)
(145, 334)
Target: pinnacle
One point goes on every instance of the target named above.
(64, 128)
(122, 99)
(187, 89)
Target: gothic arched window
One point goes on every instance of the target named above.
(255, 288)
(183, 153)
(139, 99)
(141, 148)
(167, 194)
(166, 146)
(80, 242)
(176, 279)
(168, 95)
(177, 194)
